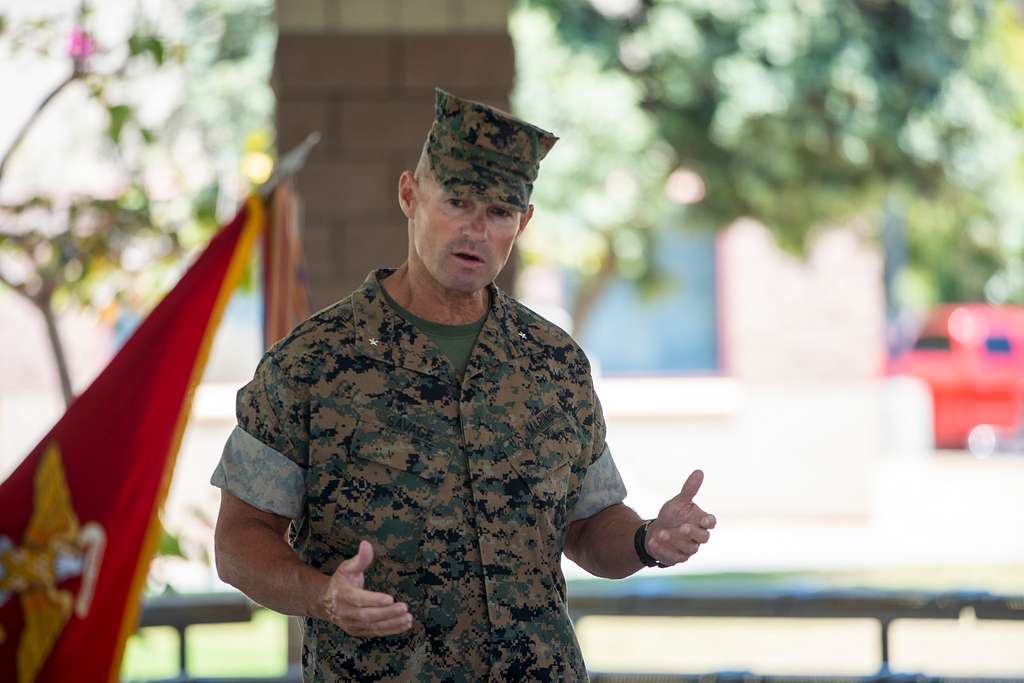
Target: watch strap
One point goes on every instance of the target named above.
(640, 545)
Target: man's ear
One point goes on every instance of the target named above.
(408, 193)
(524, 219)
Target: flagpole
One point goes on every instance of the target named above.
(289, 164)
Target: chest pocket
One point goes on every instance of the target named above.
(388, 485)
(543, 459)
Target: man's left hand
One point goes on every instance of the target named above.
(681, 527)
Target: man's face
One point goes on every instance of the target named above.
(463, 241)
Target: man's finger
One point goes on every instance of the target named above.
(708, 521)
(357, 597)
(669, 554)
(686, 538)
(383, 628)
(692, 485)
(358, 563)
(370, 615)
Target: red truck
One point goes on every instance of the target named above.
(972, 357)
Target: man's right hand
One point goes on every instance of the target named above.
(361, 612)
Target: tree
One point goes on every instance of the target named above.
(62, 245)
(601, 210)
(800, 113)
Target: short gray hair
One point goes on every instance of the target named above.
(423, 169)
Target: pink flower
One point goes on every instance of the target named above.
(81, 45)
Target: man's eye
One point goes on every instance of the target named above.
(456, 202)
(500, 212)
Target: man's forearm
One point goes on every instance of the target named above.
(603, 543)
(254, 558)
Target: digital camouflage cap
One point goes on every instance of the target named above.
(478, 149)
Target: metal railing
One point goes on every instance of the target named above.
(636, 599)
(743, 677)
(881, 606)
(179, 611)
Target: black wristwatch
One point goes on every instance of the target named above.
(640, 545)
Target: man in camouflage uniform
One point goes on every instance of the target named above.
(432, 447)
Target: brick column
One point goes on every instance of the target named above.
(363, 72)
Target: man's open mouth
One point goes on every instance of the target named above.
(468, 257)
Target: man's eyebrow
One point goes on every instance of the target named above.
(468, 197)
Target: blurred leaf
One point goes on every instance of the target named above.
(169, 545)
(145, 43)
(236, 40)
(34, 202)
(119, 115)
(204, 205)
(148, 136)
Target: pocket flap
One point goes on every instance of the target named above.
(379, 443)
(549, 445)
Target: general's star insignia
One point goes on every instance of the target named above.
(522, 335)
(373, 342)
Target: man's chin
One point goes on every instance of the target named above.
(466, 284)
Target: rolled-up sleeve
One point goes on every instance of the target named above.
(257, 474)
(264, 459)
(602, 486)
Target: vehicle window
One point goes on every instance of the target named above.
(932, 344)
(997, 345)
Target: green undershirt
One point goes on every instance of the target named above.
(455, 341)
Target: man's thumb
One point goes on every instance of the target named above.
(358, 563)
(692, 485)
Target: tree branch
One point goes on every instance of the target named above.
(32, 119)
(592, 288)
(45, 305)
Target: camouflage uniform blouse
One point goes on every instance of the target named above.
(463, 490)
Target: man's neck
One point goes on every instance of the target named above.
(424, 297)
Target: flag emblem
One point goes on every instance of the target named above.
(55, 551)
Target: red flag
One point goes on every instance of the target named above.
(285, 298)
(79, 517)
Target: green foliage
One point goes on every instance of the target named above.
(139, 44)
(231, 50)
(801, 113)
(81, 249)
(599, 211)
(121, 245)
(169, 545)
(119, 115)
(74, 247)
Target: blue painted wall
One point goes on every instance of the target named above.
(670, 334)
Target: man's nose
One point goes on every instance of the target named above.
(478, 221)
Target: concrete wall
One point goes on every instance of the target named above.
(789, 319)
(363, 72)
